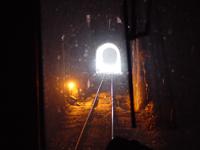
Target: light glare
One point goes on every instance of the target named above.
(71, 85)
(107, 68)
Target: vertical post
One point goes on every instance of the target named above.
(130, 19)
(112, 109)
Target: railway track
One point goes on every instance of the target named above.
(92, 129)
(90, 125)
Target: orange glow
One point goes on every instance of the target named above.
(72, 89)
(137, 99)
(138, 77)
(71, 85)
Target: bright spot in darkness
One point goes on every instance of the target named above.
(71, 85)
(108, 59)
(109, 56)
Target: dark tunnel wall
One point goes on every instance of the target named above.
(168, 59)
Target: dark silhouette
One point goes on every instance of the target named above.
(123, 144)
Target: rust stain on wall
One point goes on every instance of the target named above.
(140, 85)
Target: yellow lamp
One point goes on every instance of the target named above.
(71, 85)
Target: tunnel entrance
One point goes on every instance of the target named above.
(108, 59)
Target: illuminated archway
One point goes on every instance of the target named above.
(108, 59)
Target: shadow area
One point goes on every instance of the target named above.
(119, 143)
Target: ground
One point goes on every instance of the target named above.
(98, 131)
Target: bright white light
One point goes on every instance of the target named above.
(108, 60)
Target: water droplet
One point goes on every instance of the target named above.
(63, 37)
(85, 55)
(163, 81)
(76, 45)
(119, 20)
(58, 57)
(164, 37)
